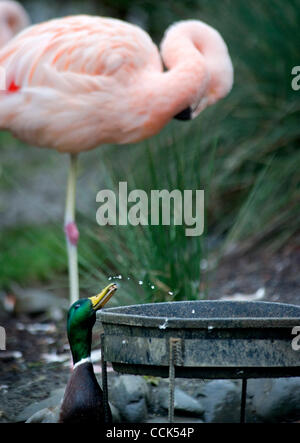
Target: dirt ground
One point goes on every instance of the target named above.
(28, 379)
(277, 273)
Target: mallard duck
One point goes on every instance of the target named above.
(83, 399)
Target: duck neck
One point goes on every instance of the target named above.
(82, 362)
(80, 340)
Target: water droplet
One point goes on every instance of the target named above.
(141, 282)
(171, 293)
(210, 328)
(193, 311)
(164, 325)
(152, 287)
(109, 278)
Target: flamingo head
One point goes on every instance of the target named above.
(184, 115)
(197, 51)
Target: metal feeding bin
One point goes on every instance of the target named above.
(201, 339)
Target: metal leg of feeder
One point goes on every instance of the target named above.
(243, 401)
(104, 382)
(172, 380)
(175, 358)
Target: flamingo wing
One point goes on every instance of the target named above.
(74, 53)
(73, 77)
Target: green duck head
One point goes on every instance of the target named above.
(81, 319)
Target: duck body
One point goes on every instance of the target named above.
(83, 400)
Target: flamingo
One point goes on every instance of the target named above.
(13, 18)
(78, 82)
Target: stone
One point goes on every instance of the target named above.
(52, 401)
(41, 413)
(222, 401)
(130, 395)
(275, 400)
(177, 419)
(183, 403)
(34, 301)
(47, 415)
(116, 417)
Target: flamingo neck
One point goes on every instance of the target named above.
(199, 67)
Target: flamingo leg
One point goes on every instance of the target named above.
(72, 233)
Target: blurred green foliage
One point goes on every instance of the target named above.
(31, 253)
(244, 152)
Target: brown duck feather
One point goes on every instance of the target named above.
(83, 399)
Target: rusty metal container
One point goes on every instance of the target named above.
(214, 339)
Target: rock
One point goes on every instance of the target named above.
(47, 411)
(10, 355)
(116, 417)
(183, 403)
(177, 419)
(53, 401)
(47, 415)
(35, 301)
(258, 295)
(275, 400)
(221, 400)
(130, 395)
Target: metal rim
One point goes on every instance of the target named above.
(114, 316)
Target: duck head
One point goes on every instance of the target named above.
(81, 319)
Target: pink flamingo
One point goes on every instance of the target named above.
(78, 82)
(13, 18)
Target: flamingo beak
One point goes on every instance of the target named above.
(184, 115)
(98, 301)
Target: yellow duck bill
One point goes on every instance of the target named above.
(100, 300)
